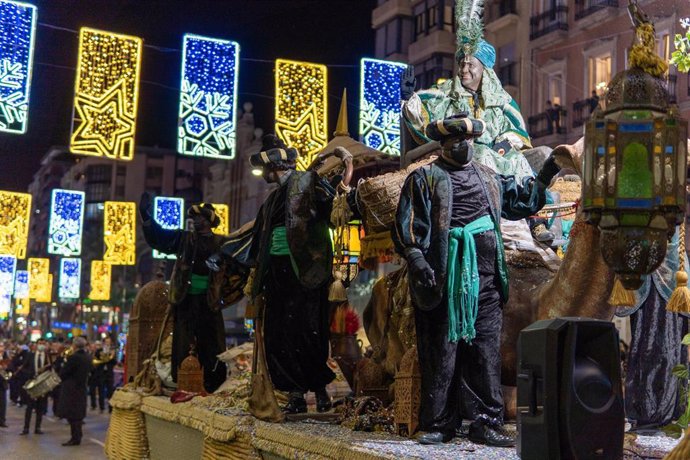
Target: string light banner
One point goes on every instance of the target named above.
(119, 232)
(207, 116)
(379, 105)
(66, 222)
(45, 295)
(15, 212)
(39, 275)
(101, 273)
(21, 284)
(169, 214)
(302, 107)
(8, 265)
(223, 212)
(106, 95)
(70, 278)
(17, 34)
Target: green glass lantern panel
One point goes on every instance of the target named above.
(635, 179)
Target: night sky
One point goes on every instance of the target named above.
(333, 32)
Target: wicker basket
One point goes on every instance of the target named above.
(145, 323)
(377, 198)
(126, 437)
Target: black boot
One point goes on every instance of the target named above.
(434, 437)
(323, 400)
(481, 433)
(296, 404)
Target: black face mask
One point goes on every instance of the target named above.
(459, 153)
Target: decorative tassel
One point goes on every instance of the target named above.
(621, 297)
(336, 291)
(680, 299)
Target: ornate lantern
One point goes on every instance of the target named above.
(190, 374)
(634, 174)
(346, 259)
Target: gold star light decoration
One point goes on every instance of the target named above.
(15, 211)
(106, 95)
(119, 232)
(101, 274)
(301, 107)
(39, 277)
(223, 212)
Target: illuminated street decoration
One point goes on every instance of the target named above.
(21, 284)
(379, 105)
(17, 32)
(100, 280)
(66, 222)
(302, 108)
(223, 212)
(119, 232)
(207, 116)
(169, 214)
(38, 269)
(70, 278)
(15, 211)
(21, 307)
(46, 293)
(106, 94)
(8, 265)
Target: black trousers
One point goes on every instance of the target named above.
(39, 405)
(463, 380)
(3, 403)
(75, 429)
(97, 387)
(196, 323)
(296, 330)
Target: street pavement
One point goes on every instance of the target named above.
(48, 445)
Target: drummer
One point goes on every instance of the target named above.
(35, 362)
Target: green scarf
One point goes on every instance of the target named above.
(199, 284)
(280, 247)
(463, 279)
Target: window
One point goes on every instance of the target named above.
(98, 173)
(439, 66)
(431, 15)
(599, 73)
(154, 173)
(98, 191)
(449, 16)
(393, 37)
(555, 88)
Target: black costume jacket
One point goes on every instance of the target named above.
(186, 244)
(423, 219)
(307, 204)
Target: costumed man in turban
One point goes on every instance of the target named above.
(475, 90)
(292, 257)
(195, 292)
(447, 228)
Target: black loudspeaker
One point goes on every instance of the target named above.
(569, 393)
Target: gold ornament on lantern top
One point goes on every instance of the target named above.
(634, 170)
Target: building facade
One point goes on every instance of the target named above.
(551, 54)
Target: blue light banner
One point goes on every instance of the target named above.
(169, 214)
(8, 265)
(17, 32)
(379, 105)
(66, 222)
(70, 278)
(21, 284)
(208, 97)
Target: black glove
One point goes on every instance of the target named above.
(145, 206)
(548, 171)
(214, 262)
(407, 83)
(420, 270)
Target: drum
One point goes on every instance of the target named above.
(42, 385)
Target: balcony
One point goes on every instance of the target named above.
(546, 123)
(582, 110)
(584, 8)
(507, 73)
(548, 21)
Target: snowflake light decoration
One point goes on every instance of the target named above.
(8, 266)
(379, 106)
(17, 32)
(70, 278)
(21, 284)
(169, 214)
(66, 222)
(207, 116)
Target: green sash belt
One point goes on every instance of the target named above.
(280, 247)
(463, 279)
(199, 284)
